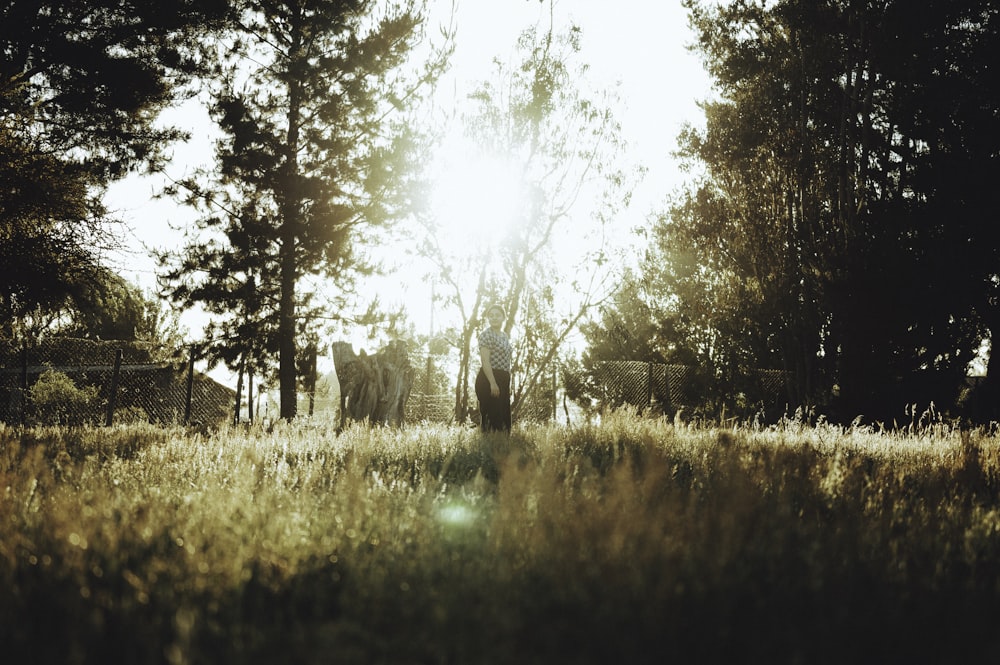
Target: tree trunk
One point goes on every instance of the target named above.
(312, 377)
(289, 195)
(373, 388)
(286, 331)
(466, 355)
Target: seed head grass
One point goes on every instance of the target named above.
(632, 540)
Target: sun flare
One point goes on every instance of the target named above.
(477, 197)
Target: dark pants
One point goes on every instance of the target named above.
(494, 412)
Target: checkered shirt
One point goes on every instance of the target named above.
(499, 345)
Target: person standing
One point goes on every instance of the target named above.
(493, 379)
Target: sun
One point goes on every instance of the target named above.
(477, 197)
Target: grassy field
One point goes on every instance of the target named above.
(630, 542)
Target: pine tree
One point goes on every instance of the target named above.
(310, 96)
(832, 236)
(81, 84)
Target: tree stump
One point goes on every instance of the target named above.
(373, 388)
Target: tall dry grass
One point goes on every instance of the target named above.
(630, 541)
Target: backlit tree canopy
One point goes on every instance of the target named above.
(839, 231)
(310, 97)
(81, 84)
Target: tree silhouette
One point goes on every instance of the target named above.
(81, 84)
(563, 139)
(316, 154)
(832, 235)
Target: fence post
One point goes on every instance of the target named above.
(239, 392)
(250, 395)
(190, 388)
(313, 370)
(649, 384)
(668, 391)
(427, 383)
(113, 396)
(24, 380)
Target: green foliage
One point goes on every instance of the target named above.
(109, 308)
(131, 415)
(540, 116)
(317, 153)
(56, 400)
(80, 87)
(843, 172)
(631, 541)
(48, 214)
(84, 79)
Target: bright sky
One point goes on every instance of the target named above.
(638, 44)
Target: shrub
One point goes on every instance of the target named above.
(57, 400)
(131, 415)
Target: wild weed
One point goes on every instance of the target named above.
(636, 540)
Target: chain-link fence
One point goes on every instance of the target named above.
(641, 384)
(564, 393)
(68, 380)
(667, 388)
(62, 380)
(438, 408)
(432, 398)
